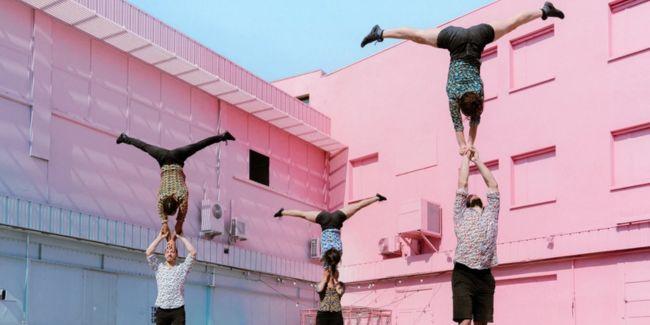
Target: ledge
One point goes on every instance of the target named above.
(539, 83)
(616, 188)
(530, 205)
(619, 57)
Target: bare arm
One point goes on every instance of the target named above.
(154, 244)
(473, 129)
(489, 179)
(323, 282)
(190, 249)
(463, 173)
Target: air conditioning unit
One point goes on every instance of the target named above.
(237, 229)
(211, 219)
(314, 248)
(390, 246)
(420, 216)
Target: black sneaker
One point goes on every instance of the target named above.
(121, 138)
(381, 197)
(550, 11)
(375, 35)
(279, 213)
(228, 137)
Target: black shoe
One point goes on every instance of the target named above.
(381, 197)
(550, 11)
(121, 138)
(375, 35)
(279, 213)
(228, 137)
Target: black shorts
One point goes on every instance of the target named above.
(329, 318)
(465, 43)
(175, 316)
(473, 292)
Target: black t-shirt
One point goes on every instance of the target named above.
(466, 43)
(332, 220)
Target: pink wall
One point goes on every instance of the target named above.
(566, 131)
(299, 85)
(58, 144)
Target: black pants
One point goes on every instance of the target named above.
(174, 316)
(176, 156)
(473, 294)
(329, 318)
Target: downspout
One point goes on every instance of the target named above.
(26, 286)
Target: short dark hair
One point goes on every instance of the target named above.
(332, 257)
(473, 201)
(471, 104)
(170, 205)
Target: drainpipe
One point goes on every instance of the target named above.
(26, 286)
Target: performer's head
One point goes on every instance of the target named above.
(171, 251)
(170, 205)
(473, 201)
(471, 104)
(332, 257)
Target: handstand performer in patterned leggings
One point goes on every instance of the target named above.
(465, 45)
(331, 224)
(172, 194)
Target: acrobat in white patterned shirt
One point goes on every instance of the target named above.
(171, 281)
(476, 232)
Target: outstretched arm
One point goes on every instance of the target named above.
(473, 129)
(154, 244)
(489, 179)
(463, 172)
(323, 282)
(190, 249)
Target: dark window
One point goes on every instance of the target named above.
(304, 99)
(258, 170)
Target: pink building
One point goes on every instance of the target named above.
(566, 132)
(73, 75)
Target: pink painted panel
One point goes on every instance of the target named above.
(548, 296)
(476, 181)
(363, 180)
(534, 177)
(317, 189)
(144, 122)
(531, 62)
(71, 50)
(16, 26)
(315, 160)
(490, 72)
(279, 175)
(235, 121)
(87, 165)
(631, 166)
(14, 72)
(628, 18)
(70, 93)
(109, 66)
(279, 144)
(176, 97)
(298, 153)
(420, 153)
(144, 82)
(21, 175)
(205, 112)
(258, 135)
(108, 108)
(298, 181)
(175, 132)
